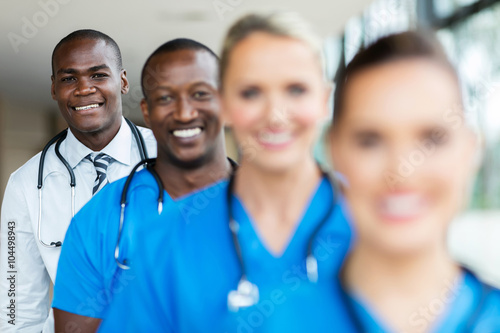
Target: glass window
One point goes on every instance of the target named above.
(473, 45)
(444, 8)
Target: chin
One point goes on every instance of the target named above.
(89, 129)
(276, 162)
(404, 242)
(92, 125)
(189, 162)
(404, 247)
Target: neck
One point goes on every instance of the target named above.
(179, 181)
(276, 200)
(275, 189)
(397, 287)
(96, 141)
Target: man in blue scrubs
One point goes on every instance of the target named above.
(181, 106)
(181, 280)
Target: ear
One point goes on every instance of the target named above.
(53, 88)
(145, 112)
(125, 84)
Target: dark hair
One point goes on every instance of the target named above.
(92, 35)
(405, 45)
(174, 45)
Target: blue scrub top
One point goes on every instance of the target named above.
(88, 277)
(468, 305)
(181, 279)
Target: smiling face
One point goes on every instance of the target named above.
(182, 106)
(407, 155)
(87, 86)
(274, 97)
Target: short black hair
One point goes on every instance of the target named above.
(92, 35)
(179, 44)
(405, 45)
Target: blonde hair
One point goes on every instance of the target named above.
(283, 24)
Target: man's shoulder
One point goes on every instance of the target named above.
(113, 191)
(28, 172)
(145, 131)
(149, 140)
(101, 211)
(147, 134)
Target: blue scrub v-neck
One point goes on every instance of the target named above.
(453, 315)
(255, 240)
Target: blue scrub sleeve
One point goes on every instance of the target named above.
(80, 284)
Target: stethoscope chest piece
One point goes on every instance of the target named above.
(245, 296)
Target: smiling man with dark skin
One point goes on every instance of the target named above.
(181, 105)
(87, 85)
(88, 81)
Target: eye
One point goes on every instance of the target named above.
(368, 140)
(201, 95)
(250, 93)
(437, 136)
(99, 76)
(68, 79)
(164, 99)
(296, 90)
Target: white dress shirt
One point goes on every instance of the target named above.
(34, 264)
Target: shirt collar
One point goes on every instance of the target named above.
(118, 148)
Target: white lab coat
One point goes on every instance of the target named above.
(35, 265)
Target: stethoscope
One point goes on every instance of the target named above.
(247, 293)
(472, 321)
(149, 164)
(58, 139)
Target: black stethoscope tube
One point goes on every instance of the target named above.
(62, 136)
(59, 138)
(247, 293)
(149, 163)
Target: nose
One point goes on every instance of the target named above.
(277, 112)
(404, 163)
(84, 87)
(185, 111)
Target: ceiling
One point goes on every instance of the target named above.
(31, 28)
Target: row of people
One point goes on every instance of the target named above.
(195, 243)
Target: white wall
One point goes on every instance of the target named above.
(474, 240)
(25, 129)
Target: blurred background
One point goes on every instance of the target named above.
(469, 30)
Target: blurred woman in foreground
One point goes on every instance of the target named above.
(401, 140)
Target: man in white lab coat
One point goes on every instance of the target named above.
(100, 146)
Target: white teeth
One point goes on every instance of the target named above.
(187, 133)
(275, 138)
(402, 205)
(87, 107)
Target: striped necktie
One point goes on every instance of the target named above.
(101, 163)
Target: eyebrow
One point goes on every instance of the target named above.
(74, 71)
(98, 68)
(194, 84)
